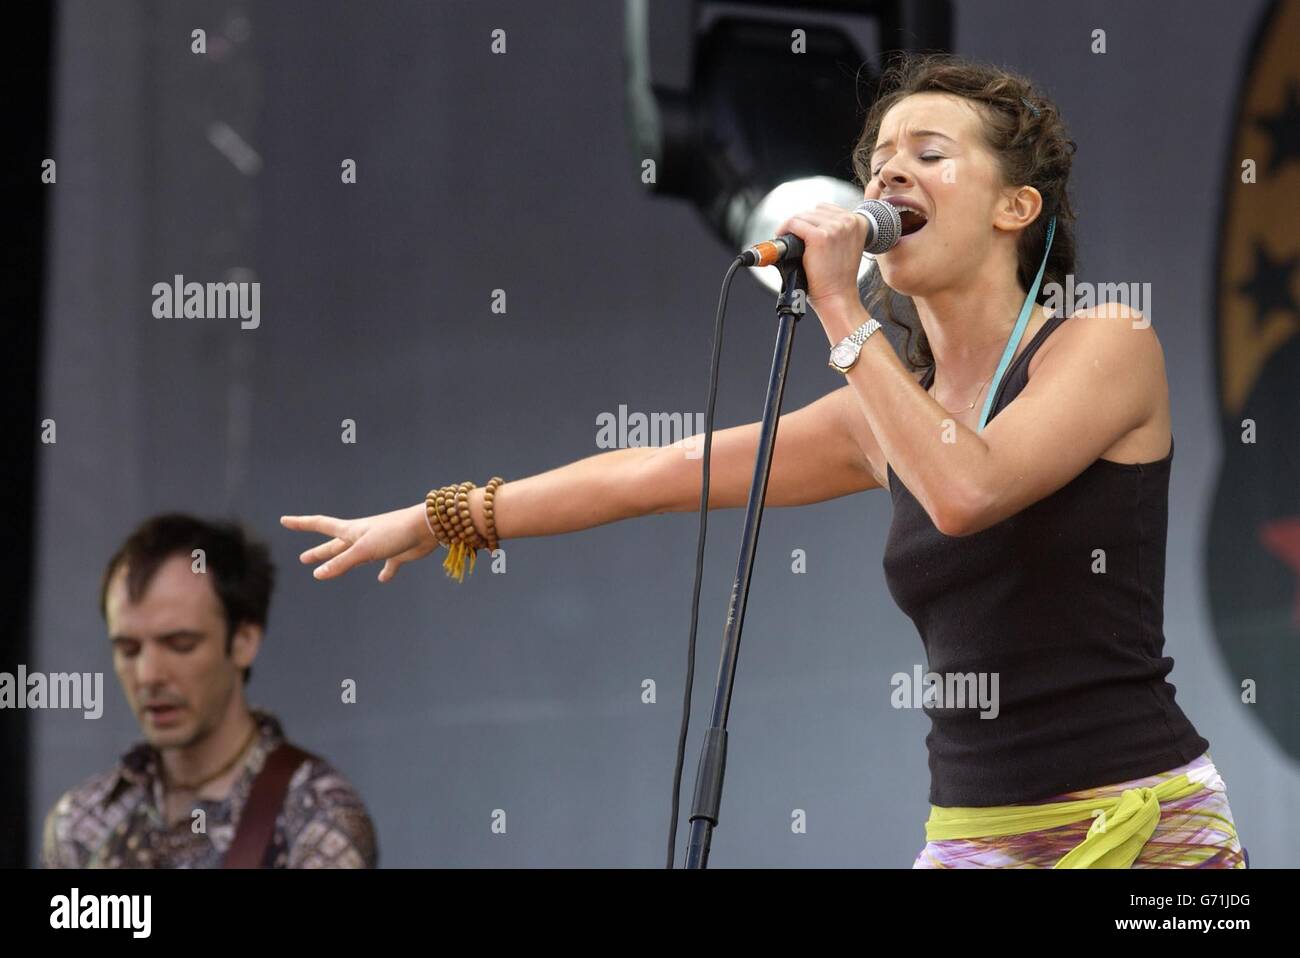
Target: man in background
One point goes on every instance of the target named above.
(214, 783)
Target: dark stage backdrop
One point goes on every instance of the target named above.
(523, 691)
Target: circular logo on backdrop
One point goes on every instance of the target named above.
(1252, 559)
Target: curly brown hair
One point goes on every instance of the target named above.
(1024, 130)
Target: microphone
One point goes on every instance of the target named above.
(884, 227)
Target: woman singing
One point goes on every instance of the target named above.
(1028, 461)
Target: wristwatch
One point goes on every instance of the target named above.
(844, 354)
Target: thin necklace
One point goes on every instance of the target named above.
(195, 786)
(982, 385)
(977, 395)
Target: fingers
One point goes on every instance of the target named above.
(808, 227)
(340, 564)
(389, 570)
(798, 225)
(821, 220)
(325, 525)
(326, 550)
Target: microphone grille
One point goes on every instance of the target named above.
(889, 226)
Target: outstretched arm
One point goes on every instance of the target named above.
(821, 453)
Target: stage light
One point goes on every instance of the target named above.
(783, 202)
(750, 110)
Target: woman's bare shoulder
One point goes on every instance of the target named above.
(1124, 339)
(1087, 331)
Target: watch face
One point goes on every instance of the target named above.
(843, 354)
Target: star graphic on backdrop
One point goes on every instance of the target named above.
(1270, 288)
(1284, 130)
(1282, 538)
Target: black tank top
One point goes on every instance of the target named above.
(1082, 693)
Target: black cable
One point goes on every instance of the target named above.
(699, 559)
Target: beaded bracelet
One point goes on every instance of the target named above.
(448, 517)
(489, 494)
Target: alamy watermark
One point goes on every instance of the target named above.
(56, 690)
(947, 690)
(1102, 298)
(626, 430)
(128, 912)
(233, 300)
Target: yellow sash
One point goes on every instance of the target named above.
(1123, 823)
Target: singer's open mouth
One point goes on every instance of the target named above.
(911, 220)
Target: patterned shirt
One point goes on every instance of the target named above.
(115, 820)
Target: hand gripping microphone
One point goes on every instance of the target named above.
(883, 230)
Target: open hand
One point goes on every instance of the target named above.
(396, 537)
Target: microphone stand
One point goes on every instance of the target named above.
(713, 756)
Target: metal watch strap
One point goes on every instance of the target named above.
(859, 335)
(856, 338)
